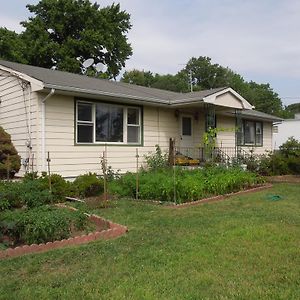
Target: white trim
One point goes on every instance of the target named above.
(36, 85)
(93, 122)
(212, 98)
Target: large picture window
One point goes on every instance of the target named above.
(108, 123)
(250, 133)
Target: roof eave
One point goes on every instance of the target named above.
(36, 85)
(82, 92)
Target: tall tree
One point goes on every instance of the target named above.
(203, 74)
(64, 33)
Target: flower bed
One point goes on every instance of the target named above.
(104, 229)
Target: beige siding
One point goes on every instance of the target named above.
(72, 160)
(15, 114)
(228, 100)
(226, 137)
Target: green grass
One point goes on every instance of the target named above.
(246, 247)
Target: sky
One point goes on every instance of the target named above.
(259, 39)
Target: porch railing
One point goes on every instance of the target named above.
(226, 155)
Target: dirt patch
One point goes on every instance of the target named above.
(284, 178)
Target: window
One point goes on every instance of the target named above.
(250, 133)
(108, 123)
(187, 126)
(85, 124)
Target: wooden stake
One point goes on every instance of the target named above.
(137, 174)
(104, 171)
(49, 173)
(32, 160)
(7, 166)
(174, 174)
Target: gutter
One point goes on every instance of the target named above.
(43, 130)
(102, 93)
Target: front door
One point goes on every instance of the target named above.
(186, 134)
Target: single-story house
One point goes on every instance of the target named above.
(74, 118)
(285, 129)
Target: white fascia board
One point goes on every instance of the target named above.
(212, 98)
(36, 85)
(74, 90)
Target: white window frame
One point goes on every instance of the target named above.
(242, 132)
(93, 122)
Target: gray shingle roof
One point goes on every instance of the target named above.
(64, 80)
(259, 115)
(73, 82)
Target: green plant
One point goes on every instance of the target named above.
(88, 185)
(157, 160)
(112, 174)
(10, 161)
(60, 188)
(41, 224)
(209, 140)
(189, 185)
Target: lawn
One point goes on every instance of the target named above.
(246, 247)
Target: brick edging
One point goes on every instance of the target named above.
(115, 230)
(221, 197)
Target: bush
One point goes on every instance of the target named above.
(10, 195)
(60, 188)
(41, 225)
(10, 161)
(88, 185)
(31, 193)
(157, 160)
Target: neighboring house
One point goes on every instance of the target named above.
(285, 129)
(75, 118)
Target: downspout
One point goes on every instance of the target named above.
(43, 130)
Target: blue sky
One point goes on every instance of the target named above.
(259, 39)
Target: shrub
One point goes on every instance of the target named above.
(10, 195)
(157, 160)
(31, 193)
(88, 185)
(10, 161)
(41, 224)
(60, 188)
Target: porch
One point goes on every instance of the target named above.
(195, 156)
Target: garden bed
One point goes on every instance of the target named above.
(182, 186)
(102, 229)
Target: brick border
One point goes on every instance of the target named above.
(115, 230)
(221, 197)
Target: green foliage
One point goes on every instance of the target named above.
(60, 31)
(88, 185)
(12, 46)
(176, 83)
(282, 162)
(190, 185)
(10, 161)
(290, 111)
(203, 74)
(290, 148)
(41, 224)
(157, 160)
